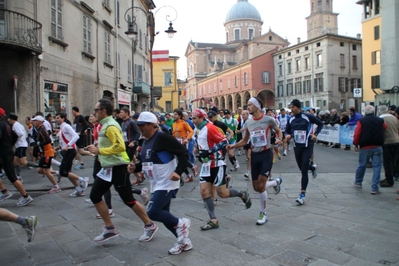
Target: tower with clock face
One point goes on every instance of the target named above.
(322, 19)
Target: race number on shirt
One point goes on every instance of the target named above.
(258, 138)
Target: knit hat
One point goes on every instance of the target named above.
(2, 112)
(296, 103)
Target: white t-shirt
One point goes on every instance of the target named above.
(19, 129)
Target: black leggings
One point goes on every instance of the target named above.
(302, 156)
(121, 184)
(67, 160)
(8, 167)
(107, 194)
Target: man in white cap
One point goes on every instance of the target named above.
(157, 161)
(258, 128)
(111, 151)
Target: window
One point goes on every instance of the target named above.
(297, 51)
(228, 83)
(307, 63)
(56, 19)
(354, 61)
(235, 81)
(289, 53)
(376, 57)
(298, 65)
(319, 83)
(318, 44)
(377, 7)
(307, 84)
(342, 44)
(214, 87)
(227, 37)
(117, 12)
(328, 3)
(86, 35)
(306, 48)
(375, 82)
(280, 70)
(107, 47)
(138, 72)
(245, 78)
(280, 89)
(167, 78)
(290, 88)
(250, 34)
(140, 38)
(289, 68)
(312, 6)
(106, 2)
(376, 32)
(354, 47)
(221, 85)
(236, 34)
(319, 4)
(209, 89)
(342, 84)
(265, 77)
(279, 57)
(298, 86)
(342, 60)
(168, 106)
(319, 60)
(129, 70)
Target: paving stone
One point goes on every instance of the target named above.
(373, 255)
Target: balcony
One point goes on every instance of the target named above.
(20, 31)
(141, 87)
(157, 92)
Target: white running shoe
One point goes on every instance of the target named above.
(180, 247)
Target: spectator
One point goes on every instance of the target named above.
(353, 118)
(335, 119)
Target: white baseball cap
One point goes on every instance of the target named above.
(38, 118)
(147, 118)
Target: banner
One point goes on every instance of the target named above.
(337, 134)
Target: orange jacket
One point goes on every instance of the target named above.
(182, 130)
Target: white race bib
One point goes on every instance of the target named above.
(148, 169)
(105, 174)
(124, 136)
(258, 138)
(300, 136)
(205, 169)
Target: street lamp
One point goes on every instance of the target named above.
(132, 32)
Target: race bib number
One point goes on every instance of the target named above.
(148, 169)
(205, 169)
(105, 174)
(258, 138)
(282, 127)
(300, 136)
(124, 136)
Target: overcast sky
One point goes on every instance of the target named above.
(202, 21)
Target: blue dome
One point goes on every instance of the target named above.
(243, 10)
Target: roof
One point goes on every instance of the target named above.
(243, 10)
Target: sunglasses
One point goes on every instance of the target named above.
(97, 109)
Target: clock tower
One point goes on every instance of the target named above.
(322, 20)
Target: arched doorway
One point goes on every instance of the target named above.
(268, 98)
(238, 101)
(216, 101)
(246, 97)
(222, 103)
(229, 102)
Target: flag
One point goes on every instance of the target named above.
(160, 56)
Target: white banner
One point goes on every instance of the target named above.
(329, 133)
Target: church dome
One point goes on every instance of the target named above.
(242, 10)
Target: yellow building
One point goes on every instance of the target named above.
(371, 48)
(165, 81)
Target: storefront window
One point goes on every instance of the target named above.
(55, 98)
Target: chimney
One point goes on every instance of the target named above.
(359, 36)
(299, 40)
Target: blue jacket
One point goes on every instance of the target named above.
(354, 118)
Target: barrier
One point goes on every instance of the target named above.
(337, 134)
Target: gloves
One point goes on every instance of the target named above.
(204, 154)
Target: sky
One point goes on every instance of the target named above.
(202, 21)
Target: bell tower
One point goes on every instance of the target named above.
(322, 19)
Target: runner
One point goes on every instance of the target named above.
(259, 128)
(158, 162)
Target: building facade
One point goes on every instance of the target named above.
(60, 62)
(326, 70)
(380, 51)
(166, 84)
(224, 74)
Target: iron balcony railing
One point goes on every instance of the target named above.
(21, 31)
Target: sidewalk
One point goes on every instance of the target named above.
(338, 225)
